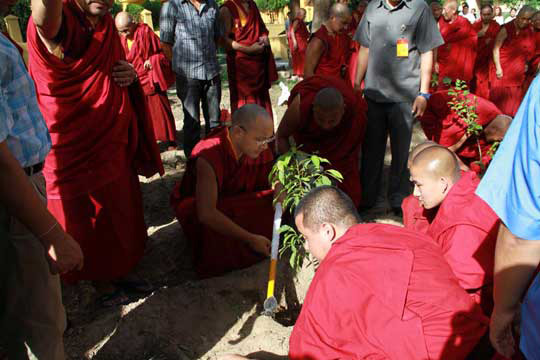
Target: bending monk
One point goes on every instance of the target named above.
(380, 291)
(143, 51)
(325, 116)
(328, 50)
(442, 125)
(298, 40)
(100, 134)
(251, 67)
(514, 47)
(464, 226)
(225, 186)
(455, 58)
(487, 30)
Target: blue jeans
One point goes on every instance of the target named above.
(193, 92)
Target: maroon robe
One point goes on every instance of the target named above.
(155, 82)
(441, 124)
(334, 60)
(484, 56)
(534, 63)
(384, 292)
(100, 137)
(340, 145)
(301, 35)
(515, 52)
(250, 76)
(457, 55)
(243, 190)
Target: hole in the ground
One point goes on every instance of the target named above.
(287, 317)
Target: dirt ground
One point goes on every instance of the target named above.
(185, 318)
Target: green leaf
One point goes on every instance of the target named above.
(335, 174)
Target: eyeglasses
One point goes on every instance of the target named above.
(260, 142)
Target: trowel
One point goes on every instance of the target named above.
(270, 304)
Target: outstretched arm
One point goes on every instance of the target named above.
(288, 125)
(47, 16)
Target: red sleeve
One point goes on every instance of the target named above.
(470, 255)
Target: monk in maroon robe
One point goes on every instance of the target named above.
(355, 45)
(326, 117)
(464, 226)
(328, 50)
(143, 51)
(514, 47)
(224, 202)
(534, 63)
(298, 39)
(251, 67)
(455, 58)
(100, 134)
(487, 30)
(442, 125)
(380, 292)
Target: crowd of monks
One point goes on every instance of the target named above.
(419, 292)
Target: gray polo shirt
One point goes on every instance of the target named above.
(390, 78)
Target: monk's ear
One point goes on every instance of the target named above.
(445, 185)
(329, 231)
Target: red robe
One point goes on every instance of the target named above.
(415, 217)
(340, 145)
(457, 55)
(250, 76)
(355, 46)
(515, 52)
(484, 55)
(243, 190)
(384, 292)
(532, 71)
(100, 136)
(442, 125)
(466, 228)
(155, 82)
(298, 56)
(334, 60)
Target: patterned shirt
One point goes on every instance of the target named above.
(194, 35)
(21, 123)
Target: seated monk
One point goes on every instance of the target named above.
(143, 51)
(442, 125)
(325, 117)
(380, 292)
(224, 202)
(464, 226)
(328, 50)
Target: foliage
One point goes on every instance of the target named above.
(272, 5)
(135, 11)
(115, 9)
(464, 107)
(155, 8)
(298, 172)
(22, 10)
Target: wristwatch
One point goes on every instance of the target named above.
(424, 95)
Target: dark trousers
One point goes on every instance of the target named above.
(193, 92)
(386, 118)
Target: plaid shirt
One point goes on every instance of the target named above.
(194, 35)
(21, 123)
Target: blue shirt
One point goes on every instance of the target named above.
(21, 123)
(193, 35)
(511, 186)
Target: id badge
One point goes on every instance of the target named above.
(402, 48)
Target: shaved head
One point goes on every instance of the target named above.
(526, 9)
(497, 128)
(437, 161)
(451, 4)
(339, 10)
(328, 108)
(327, 204)
(123, 19)
(416, 150)
(328, 99)
(250, 114)
(252, 130)
(433, 172)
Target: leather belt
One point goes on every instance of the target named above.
(34, 169)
